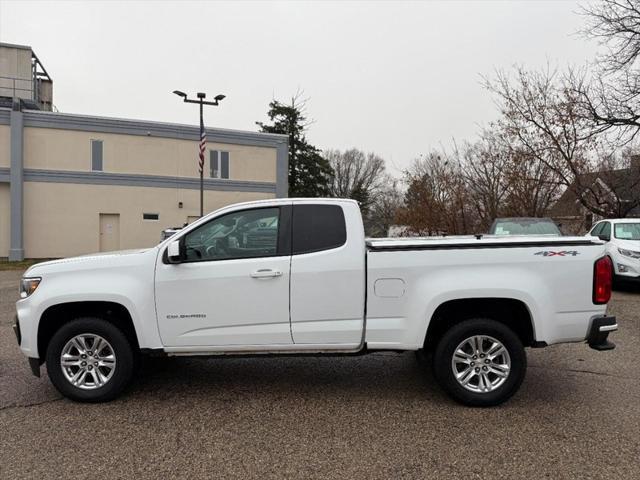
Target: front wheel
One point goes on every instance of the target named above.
(90, 360)
(480, 362)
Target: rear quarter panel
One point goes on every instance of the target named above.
(557, 290)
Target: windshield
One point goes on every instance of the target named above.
(627, 231)
(525, 227)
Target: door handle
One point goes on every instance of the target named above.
(266, 273)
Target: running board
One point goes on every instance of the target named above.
(277, 353)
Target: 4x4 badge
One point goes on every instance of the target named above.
(561, 253)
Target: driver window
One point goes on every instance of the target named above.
(242, 234)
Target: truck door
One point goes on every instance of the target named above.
(327, 274)
(232, 287)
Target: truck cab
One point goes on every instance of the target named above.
(280, 274)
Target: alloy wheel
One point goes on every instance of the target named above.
(481, 364)
(88, 361)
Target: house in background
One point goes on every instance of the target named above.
(617, 191)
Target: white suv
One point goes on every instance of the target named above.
(623, 245)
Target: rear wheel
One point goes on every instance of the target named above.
(480, 362)
(90, 360)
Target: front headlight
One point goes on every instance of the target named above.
(629, 253)
(28, 286)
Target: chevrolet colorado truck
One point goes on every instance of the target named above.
(297, 276)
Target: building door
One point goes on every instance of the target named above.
(109, 232)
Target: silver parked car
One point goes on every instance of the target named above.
(169, 232)
(524, 226)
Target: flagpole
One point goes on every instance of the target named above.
(202, 144)
(201, 163)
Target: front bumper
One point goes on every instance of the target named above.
(16, 330)
(626, 268)
(625, 277)
(34, 363)
(599, 331)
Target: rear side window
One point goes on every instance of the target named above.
(317, 227)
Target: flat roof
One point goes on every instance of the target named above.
(151, 128)
(91, 118)
(13, 45)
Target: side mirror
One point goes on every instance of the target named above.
(173, 252)
(604, 238)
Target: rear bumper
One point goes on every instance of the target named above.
(600, 329)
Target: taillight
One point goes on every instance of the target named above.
(602, 280)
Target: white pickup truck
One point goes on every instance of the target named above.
(297, 276)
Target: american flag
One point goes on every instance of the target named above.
(203, 146)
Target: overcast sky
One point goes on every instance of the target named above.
(393, 78)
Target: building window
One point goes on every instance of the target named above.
(151, 216)
(96, 155)
(218, 164)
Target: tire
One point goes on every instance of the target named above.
(619, 282)
(615, 282)
(114, 361)
(487, 386)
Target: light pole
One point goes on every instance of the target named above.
(203, 139)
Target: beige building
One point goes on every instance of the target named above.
(76, 184)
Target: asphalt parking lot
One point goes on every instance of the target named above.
(382, 416)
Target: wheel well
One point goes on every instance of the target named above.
(512, 313)
(57, 315)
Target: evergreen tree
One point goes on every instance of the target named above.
(309, 173)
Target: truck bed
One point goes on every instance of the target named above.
(409, 278)
(475, 241)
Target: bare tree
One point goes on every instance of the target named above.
(611, 96)
(464, 190)
(361, 176)
(503, 180)
(436, 200)
(357, 175)
(484, 167)
(544, 117)
(532, 187)
(383, 213)
(616, 25)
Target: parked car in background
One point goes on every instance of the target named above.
(524, 226)
(169, 232)
(622, 237)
